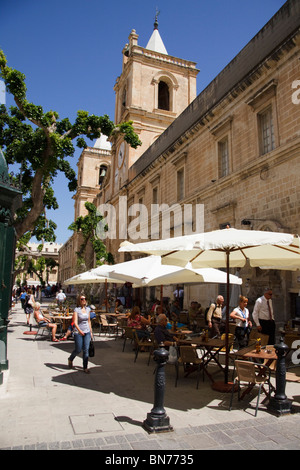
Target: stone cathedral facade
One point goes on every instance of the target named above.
(232, 151)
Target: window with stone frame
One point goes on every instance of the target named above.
(163, 96)
(222, 133)
(263, 103)
(102, 174)
(123, 101)
(223, 157)
(155, 195)
(266, 131)
(180, 184)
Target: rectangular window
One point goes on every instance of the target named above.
(155, 196)
(180, 184)
(267, 137)
(223, 151)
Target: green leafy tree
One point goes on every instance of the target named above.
(40, 143)
(42, 268)
(87, 226)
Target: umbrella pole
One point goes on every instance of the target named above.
(225, 387)
(161, 298)
(106, 301)
(227, 321)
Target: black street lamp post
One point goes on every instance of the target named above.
(280, 404)
(10, 200)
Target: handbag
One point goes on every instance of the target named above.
(91, 349)
(172, 355)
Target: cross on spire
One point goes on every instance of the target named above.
(156, 17)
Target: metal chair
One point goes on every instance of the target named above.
(128, 334)
(59, 322)
(252, 374)
(140, 343)
(189, 359)
(106, 326)
(41, 329)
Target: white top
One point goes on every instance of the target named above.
(261, 311)
(83, 319)
(243, 314)
(61, 296)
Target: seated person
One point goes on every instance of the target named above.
(175, 311)
(68, 333)
(139, 323)
(92, 312)
(193, 311)
(196, 314)
(157, 302)
(158, 309)
(162, 334)
(119, 308)
(43, 321)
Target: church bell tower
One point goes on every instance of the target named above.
(152, 90)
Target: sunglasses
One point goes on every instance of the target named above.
(82, 298)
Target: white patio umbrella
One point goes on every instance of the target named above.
(210, 249)
(93, 277)
(149, 271)
(225, 248)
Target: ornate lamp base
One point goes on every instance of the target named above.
(157, 423)
(280, 407)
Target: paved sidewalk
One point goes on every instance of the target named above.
(45, 405)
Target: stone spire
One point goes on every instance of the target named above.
(155, 43)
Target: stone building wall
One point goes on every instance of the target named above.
(183, 165)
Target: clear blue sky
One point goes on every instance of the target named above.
(71, 51)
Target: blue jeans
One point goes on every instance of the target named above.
(82, 343)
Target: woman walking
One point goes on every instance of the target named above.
(242, 321)
(82, 332)
(28, 305)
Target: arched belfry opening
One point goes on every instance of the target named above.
(163, 96)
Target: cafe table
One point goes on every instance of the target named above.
(181, 332)
(266, 356)
(266, 353)
(211, 348)
(111, 314)
(62, 318)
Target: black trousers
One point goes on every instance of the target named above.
(268, 328)
(242, 336)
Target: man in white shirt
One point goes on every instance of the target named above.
(178, 294)
(263, 315)
(60, 298)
